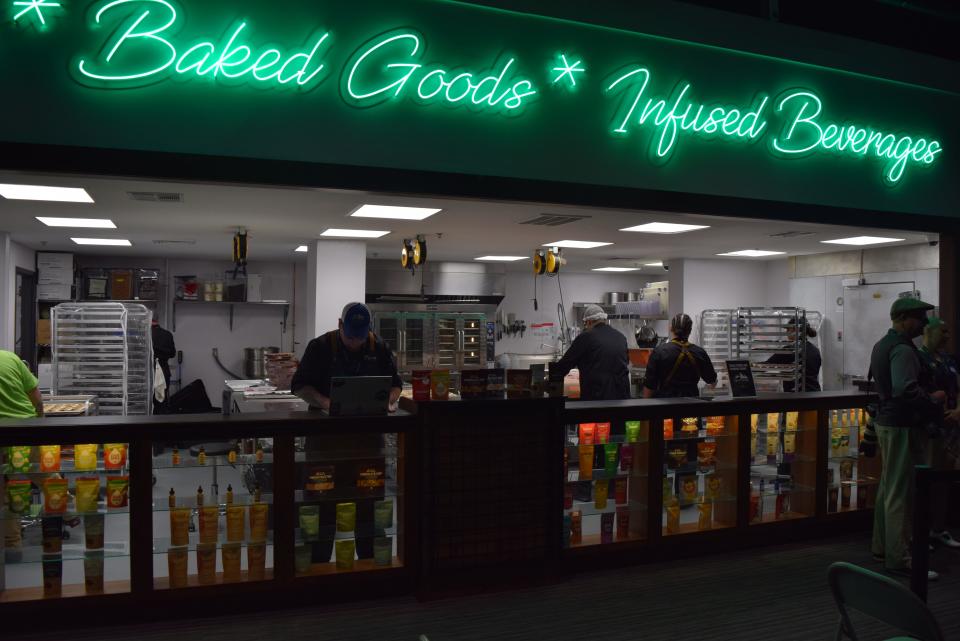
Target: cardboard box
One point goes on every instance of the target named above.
(44, 337)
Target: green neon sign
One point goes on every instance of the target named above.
(451, 86)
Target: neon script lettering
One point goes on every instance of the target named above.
(677, 113)
(139, 51)
(389, 67)
(803, 133)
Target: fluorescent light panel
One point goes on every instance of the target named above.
(501, 259)
(354, 233)
(88, 223)
(40, 192)
(106, 242)
(394, 212)
(665, 228)
(576, 244)
(861, 240)
(752, 253)
(657, 264)
(617, 269)
(302, 249)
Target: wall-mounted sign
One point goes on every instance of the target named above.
(448, 86)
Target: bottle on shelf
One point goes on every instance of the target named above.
(175, 457)
(172, 500)
(202, 456)
(200, 496)
(232, 456)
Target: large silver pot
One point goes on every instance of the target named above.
(612, 298)
(255, 361)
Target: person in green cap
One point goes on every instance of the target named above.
(904, 410)
(944, 451)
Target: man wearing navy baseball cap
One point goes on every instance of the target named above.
(351, 350)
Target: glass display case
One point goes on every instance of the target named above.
(783, 466)
(213, 512)
(699, 479)
(65, 516)
(348, 503)
(852, 479)
(606, 482)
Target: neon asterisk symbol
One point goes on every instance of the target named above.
(34, 5)
(568, 70)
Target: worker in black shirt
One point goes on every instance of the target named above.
(676, 368)
(349, 467)
(600, 353)
(351, 350)
(811, 358)
(163, 350)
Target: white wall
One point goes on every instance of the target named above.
(722, 284)
(336, 275)
(577, 288)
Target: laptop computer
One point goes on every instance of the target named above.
(359, 395)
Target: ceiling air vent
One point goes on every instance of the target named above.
(156, 196)
(553, 220)
(174, 242)
(792, 234)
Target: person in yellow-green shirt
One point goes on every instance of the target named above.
(19, 393)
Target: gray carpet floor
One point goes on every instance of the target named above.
(776, 593)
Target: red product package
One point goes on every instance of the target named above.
(587, 433)
(623, 522)
(620, 491)
(603, 432)
(421, 385)
(626, 457)
(567, 496)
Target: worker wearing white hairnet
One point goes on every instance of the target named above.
(600, 353)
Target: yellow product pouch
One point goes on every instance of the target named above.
(49, 458)
(85, 457)
(773, 422)
(55, 496)
(118, 488)
(673, 519)
(209, 523)
(346, 517)
(180, 526)
(600, 491)
(345, 552)
(586, 462)
(231, 554)
(235, 523)
(772, 444)
(705, 517)
(754, 419)
(713, 485)
(789, 442)
(793, 420)
(18, 456)
(207, 563)
(177, 567)
(18, 495)
(256, 561)
(258, 521)
(88, 493)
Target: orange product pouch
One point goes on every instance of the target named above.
(55, 496)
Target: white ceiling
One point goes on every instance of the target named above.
(280, 219)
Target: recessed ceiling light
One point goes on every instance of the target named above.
(861, 240)
(302, 248)
(90, 223)
(397, 213)
(752, 253)
(617, 269)
(106, 242)
(501, 259)
(39, 192)
(354, 233)
(576, 244)
(657, 264)
(665, 228)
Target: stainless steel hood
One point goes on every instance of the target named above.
(449, 286)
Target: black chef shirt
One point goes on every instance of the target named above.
(685, 380)
(601, 356)
(324, 360)
(812, 363)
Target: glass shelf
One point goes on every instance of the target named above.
(6, 515)
(588, 508)
(390, 492)
(64, 469)
(69, 552)
(162, 545)
(161, 504)
(330, 456)
(189, 462)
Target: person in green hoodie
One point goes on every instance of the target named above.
(904, 412)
